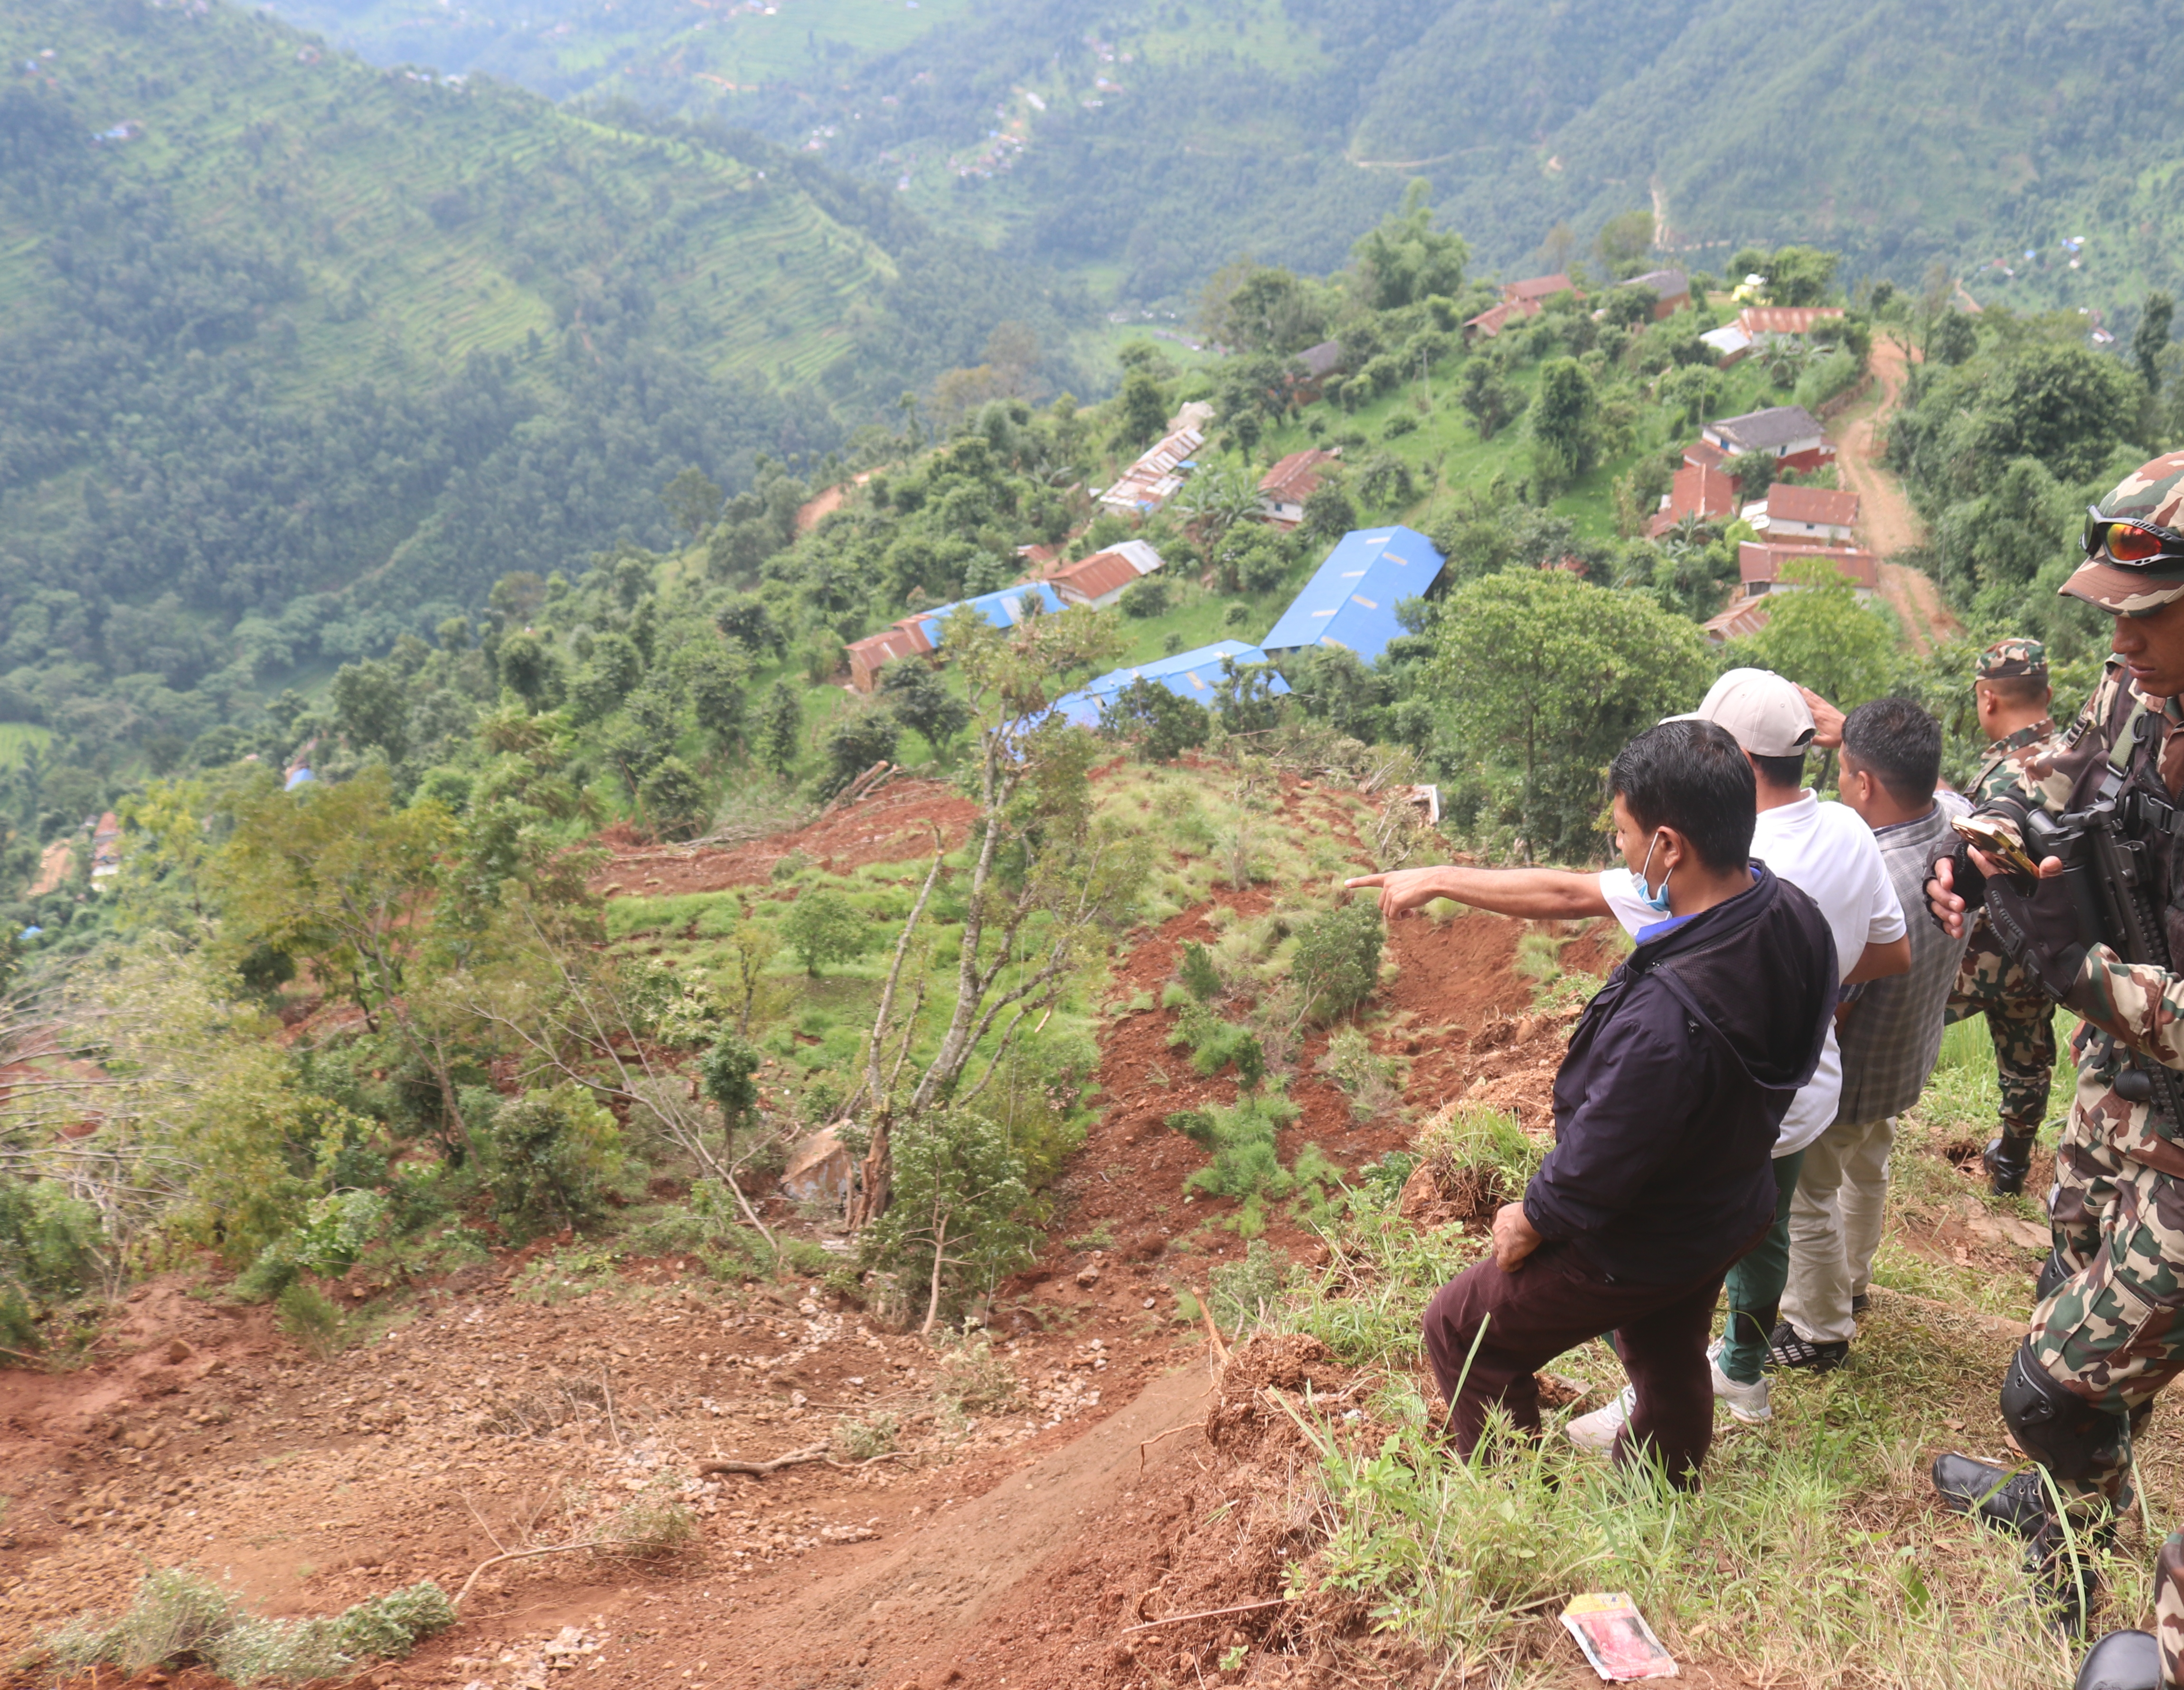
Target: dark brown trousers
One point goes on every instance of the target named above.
(1553, 1303)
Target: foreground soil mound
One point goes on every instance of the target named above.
(1048, 1504)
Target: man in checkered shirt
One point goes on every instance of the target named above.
(1890, 1032)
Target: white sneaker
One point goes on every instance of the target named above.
(1599, 1430)
(1745, 1402)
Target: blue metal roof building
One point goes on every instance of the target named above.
(1192, 675)
(1351, 600)
(1004, 609)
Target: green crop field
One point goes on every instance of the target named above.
(669, 55)
(18, 739)
(435, 221)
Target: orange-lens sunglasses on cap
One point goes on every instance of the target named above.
(2129, 542)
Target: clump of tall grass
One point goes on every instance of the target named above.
(179, 1619)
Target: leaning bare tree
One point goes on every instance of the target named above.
(1047, 880)
(569, 1010)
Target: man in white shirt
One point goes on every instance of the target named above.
(1825, 851)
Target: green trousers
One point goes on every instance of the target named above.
(1755, 1284)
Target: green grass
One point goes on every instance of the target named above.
(1111, 338)
(1198, 618)
(1812, 1550)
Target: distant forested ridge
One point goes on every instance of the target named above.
(300, 355)
(1147, 141)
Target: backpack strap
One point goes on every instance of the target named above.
(2123, 746)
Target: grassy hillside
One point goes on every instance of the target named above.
(301, 354)
(1112, 135)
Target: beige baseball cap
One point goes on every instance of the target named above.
(1762, 712)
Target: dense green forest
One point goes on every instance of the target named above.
(301, 355)
(1110, 136)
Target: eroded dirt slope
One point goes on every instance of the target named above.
(505, 1409)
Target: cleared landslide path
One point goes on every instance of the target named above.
(1888, 523)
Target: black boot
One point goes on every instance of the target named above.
(2015, 1502)
(2062, 1572)
(2008, 1160)
(2122, 1660)
(2052, 1273)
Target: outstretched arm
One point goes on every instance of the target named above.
(1541, 894)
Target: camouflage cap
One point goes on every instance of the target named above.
(2152, 492)
(2011, 659)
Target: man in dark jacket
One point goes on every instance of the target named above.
(1665, 1110)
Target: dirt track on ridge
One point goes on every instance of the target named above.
(1886, 523)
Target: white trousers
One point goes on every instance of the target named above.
(1835, 1227)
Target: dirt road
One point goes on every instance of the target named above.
(1886, 523)
(1917, 602)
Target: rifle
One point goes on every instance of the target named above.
(2110, 880)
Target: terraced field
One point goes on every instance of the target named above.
(672, 54)
(18, 739)
(430, 219)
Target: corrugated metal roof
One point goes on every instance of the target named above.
(1731, 340)
(1738, 622)
(890, 643)
(1784, 319)
(1152, 481)
(1292, 481)
(1816, 505)
(1003, 608)
(1322, 361)
(1099, 574)
(1697, 490)
(1142, 556)
(1537, 287)
(1494, 319)
(1192, 675)
(1351, 600)
(1769, 430)
(1758, 560)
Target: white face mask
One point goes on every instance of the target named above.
(1658, 901)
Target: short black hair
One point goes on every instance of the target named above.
(1690, 777)
(1900, 743)
(1782, 773)
(2019, 689)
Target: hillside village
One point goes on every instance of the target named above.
(785, 1089)
(1795, 521)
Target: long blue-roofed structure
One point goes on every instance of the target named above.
(1351, 599)
(1004, 609)
(1192, 675)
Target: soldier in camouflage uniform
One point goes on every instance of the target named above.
(2011, 684)
(2110, 1335)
